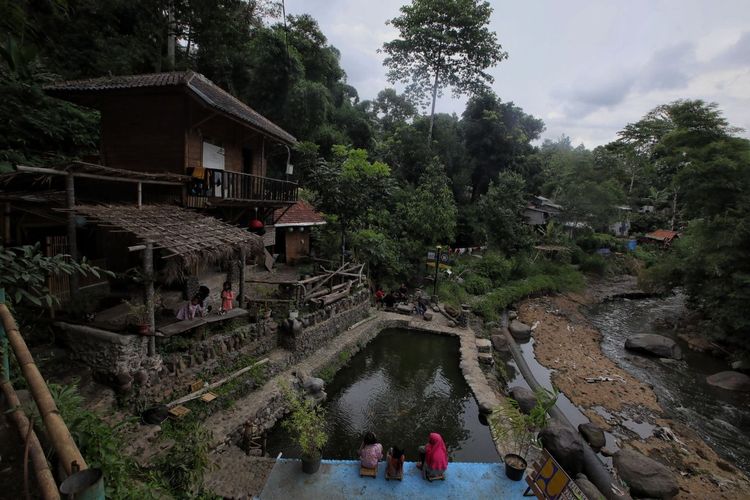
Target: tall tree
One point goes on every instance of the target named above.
(442, 43)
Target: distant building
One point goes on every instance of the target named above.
(665, 237)
(293, 230)
(540, 211)
(622, 226)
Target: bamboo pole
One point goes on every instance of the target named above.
(148, 274)
(218, 383)
(58, 432)
(45, 479)
(70, 199)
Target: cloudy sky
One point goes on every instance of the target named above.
(586, 67)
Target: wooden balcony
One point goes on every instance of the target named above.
(221, 187)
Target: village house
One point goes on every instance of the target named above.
(540, 211)
(294, 230)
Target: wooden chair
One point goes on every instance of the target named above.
(398, 477)
(368, 472)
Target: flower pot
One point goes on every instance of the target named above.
(144, 329)
(311, 464)
(515, 466)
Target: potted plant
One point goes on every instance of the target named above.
(520, 431)
(307, 424)
(138, 315)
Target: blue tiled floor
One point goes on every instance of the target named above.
(339, 479)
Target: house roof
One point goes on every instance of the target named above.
(662, 235)
(195, 239)
(299, 214)
(198, 85)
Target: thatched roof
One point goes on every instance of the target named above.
(182, 235)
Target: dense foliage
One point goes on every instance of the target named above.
(392, 182)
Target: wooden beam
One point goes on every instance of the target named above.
(148, 275)
(140, 194)
(241, 290)
(52, 171)
(70, 203)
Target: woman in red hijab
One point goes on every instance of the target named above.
(435, 457)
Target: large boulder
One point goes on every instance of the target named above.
(520, 331)
(484, 345)
(314, 385)
(644, 476)
(655, 345)
(565, 445)
(500, 343)
(731, 381)
(525, 397)
(588, 488)
(593, 435)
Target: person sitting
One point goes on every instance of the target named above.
(395, 463)
(389, 300)
(403, 291)
(191, 309)
(370, 451)
(379, 294)
(433, 458)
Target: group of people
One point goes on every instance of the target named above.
(197, 307)
(433, 457)
(390, 299)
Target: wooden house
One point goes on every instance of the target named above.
(294, 230)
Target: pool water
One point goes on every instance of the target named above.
(402, 386)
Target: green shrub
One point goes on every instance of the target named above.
(493, 266)
(594, 241)
(477, 285)
(594, 264)
(452, 293)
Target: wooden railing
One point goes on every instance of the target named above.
(237, 186)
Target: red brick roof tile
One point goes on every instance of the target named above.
(299, 214)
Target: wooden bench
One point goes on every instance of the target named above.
(397, 477)
(368, 472)
(440, 477)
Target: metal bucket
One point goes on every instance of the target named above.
(87, 484)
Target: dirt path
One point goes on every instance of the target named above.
(566, 342)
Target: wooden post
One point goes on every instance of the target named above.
(70, 198)
(140, 195)
(148, 276)
(241, 288)
(6, 224)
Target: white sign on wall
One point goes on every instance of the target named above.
(213, 156)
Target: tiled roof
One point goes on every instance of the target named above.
(203, 88)
(662, 235)
(299, 214)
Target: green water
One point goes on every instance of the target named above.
(402, 386)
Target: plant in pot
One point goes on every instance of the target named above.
(519, 431)
(307, 424)
(138, 316)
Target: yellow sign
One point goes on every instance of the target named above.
(550, 481)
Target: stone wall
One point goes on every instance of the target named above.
(105, 352)
(317, 328)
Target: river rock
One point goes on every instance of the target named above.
(512, 314)
(656, 345)
(742, 365)
(485, 358)
(500, 343)
(565, 445)
(593, 435)
(520, 331)
(484, 345)
(314, 385)
(588, 488)
(644, 476)
(525, 397)
(731, 381)
(427, 316)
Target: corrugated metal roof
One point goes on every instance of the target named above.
(662, 235)
(200, 86)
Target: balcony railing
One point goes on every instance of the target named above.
(240, 187)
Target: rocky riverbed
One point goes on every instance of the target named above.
(625, 407)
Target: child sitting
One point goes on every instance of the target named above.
(191, 309)
(395, 463)
(227, 298)
(370, 451)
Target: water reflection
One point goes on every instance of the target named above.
(402, 386)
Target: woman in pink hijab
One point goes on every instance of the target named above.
(435, 457)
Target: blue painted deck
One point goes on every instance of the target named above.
(339, 479)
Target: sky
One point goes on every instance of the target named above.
(586, 67)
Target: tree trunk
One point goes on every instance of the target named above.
(674, 209)
(171, 36)
(70, 199)
(432, 112)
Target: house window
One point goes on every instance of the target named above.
(213, 156)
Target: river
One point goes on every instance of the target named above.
(720, 417)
